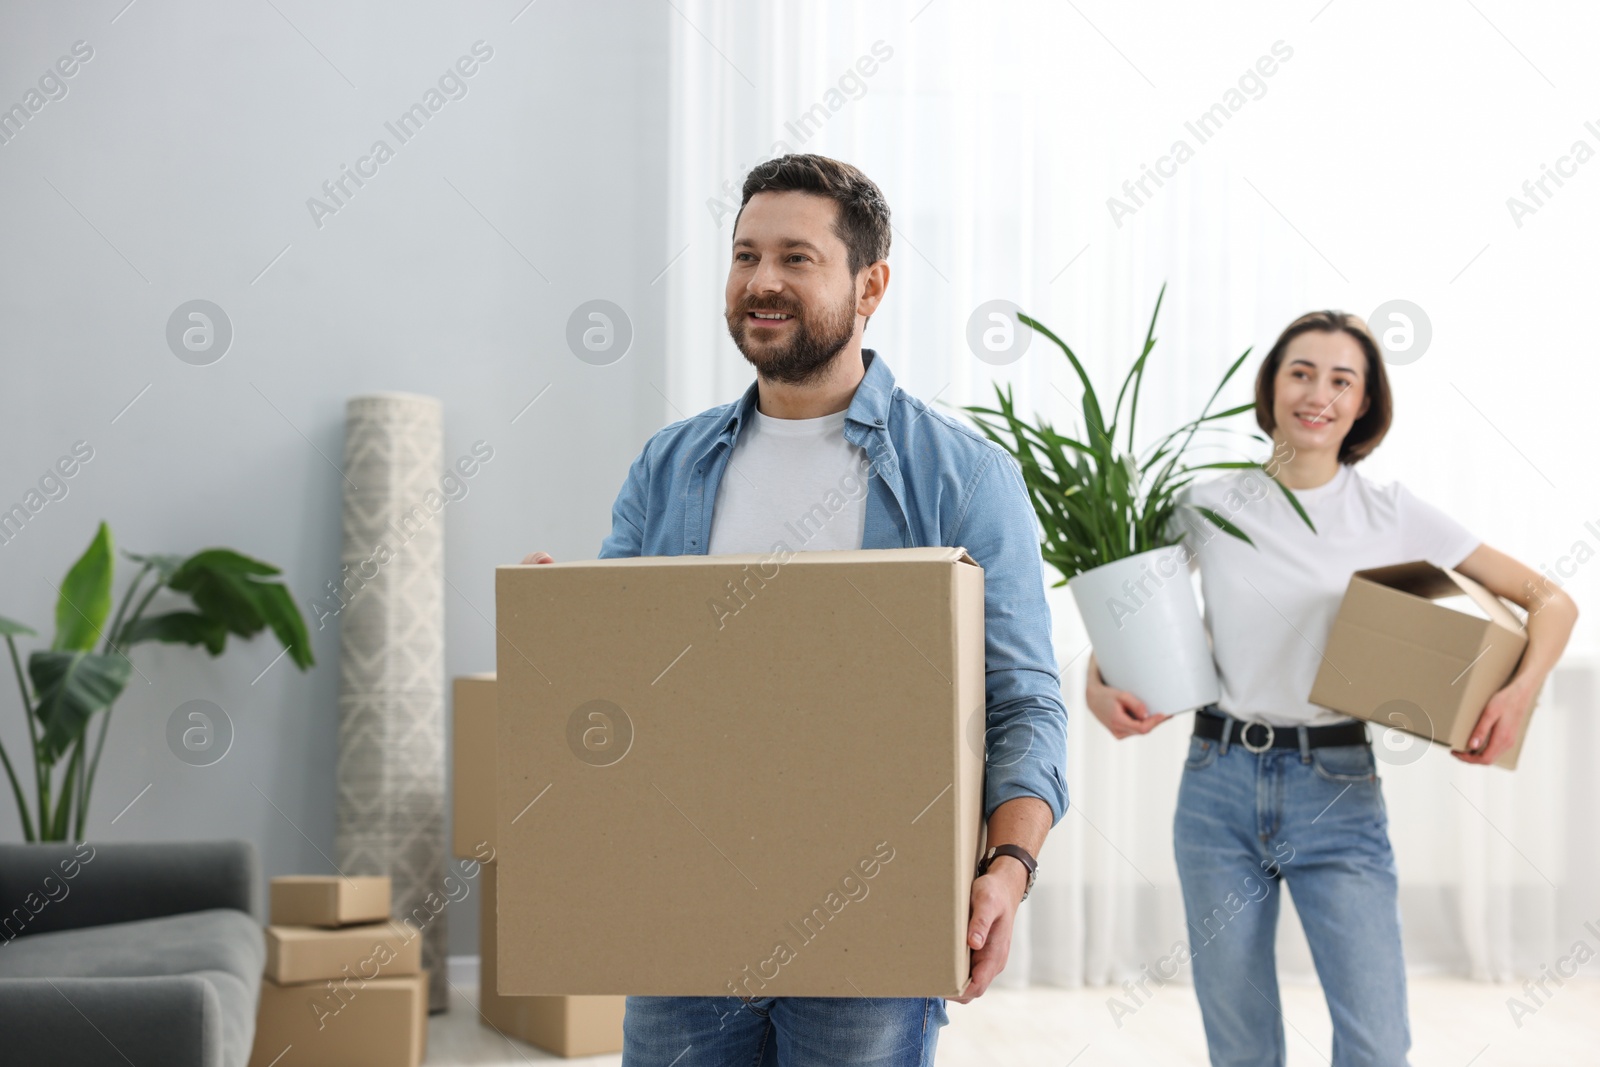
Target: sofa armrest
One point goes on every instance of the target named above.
(111, 1022)
(45, 887)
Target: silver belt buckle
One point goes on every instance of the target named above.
(1244, 736)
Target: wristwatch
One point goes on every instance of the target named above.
(1016, 852)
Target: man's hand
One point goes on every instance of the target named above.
(995, 897)
(1020, 821)
(1499, 724)
(538, 557)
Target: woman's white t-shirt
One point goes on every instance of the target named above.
(1269, 608)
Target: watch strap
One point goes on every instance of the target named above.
(1016, 852)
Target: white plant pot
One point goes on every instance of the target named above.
(1146, 629)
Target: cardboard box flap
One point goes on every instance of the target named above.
(931, 554)
(1423, 579)
(1492, 605)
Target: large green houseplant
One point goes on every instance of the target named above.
(1113, 519)
(72, 683)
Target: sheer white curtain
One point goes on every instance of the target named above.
(998, 132)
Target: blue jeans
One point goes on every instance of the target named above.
(1312, 819)
(791, 1031)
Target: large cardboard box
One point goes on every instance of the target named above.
(310, 953)
(473, 763)
(1397, 658)
(377, 1023)
(567, 1026)
(329, 899)
(742, 774)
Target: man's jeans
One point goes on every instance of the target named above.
(791, 1031)
(1315, 819)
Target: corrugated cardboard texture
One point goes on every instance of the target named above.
(472, 757)
(1398, 659)
(382, 1023)
(329, 900)
(310, 953)
(779, 794)
(567, 1026)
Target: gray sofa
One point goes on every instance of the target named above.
(117, 954)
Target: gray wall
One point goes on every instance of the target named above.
(177, 166)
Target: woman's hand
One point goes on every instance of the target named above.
(1121, 712)
(1500, 723)
(538, 557)
(1551, 616)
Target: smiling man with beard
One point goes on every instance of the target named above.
(809, 268)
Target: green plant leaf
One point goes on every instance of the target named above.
(225, 587)
(12, 628)
(1095, 504)
(1093, 420)
(1136, 375)
(179, 628)
(164, 565)
(1223, 524)
(287, 624)
(57, 830)
(219, 561)
(72, 686)
(1294, 502)
(85, 598)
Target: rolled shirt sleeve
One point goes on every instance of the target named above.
(1026, 740)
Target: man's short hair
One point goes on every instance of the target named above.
(863, 221)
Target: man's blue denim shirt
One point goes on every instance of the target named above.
(935, 482)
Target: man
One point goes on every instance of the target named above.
(810, 249)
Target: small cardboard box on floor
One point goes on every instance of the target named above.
(1397, 658)
(567, 1026)
(742, 774)
(339, 996)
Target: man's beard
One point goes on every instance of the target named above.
(815, 341)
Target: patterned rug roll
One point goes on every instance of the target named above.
(391, 777)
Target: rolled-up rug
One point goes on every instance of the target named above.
(391, 777)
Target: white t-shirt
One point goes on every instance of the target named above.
(1269, 608)
(794, 482)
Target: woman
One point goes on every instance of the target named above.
(1301, 803)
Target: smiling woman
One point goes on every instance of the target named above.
(1323, 394)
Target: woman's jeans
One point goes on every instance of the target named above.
(791, 1031)
(1314, 819)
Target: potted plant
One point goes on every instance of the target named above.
(1113, 526)
(72, 683)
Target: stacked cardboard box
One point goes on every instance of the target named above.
(566, 1026)
(344, 986)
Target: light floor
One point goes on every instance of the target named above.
(1453, 1023)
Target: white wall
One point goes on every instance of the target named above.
(178, 166)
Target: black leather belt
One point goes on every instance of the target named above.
(1259, 736)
